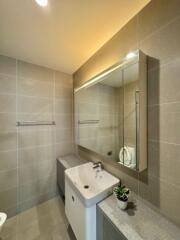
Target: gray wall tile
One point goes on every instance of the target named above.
(8, 179)
(156, 15)
(27, 154)
(7, 84)
(163, 45)
(8, 160)
(7, 65)
(8, 199)
(7, 103)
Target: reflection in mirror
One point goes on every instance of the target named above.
(130, 75)
(107, 115)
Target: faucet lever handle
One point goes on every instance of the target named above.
(97, 164)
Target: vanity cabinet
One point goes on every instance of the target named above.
(105, 228)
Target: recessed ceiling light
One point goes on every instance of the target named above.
(42, 3)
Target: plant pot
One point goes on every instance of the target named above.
(122, 204)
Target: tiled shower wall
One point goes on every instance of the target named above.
(155, 30)
(28, 154)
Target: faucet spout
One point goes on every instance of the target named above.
(98, 165)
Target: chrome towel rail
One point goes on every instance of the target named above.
(88, 122)
(33, 123)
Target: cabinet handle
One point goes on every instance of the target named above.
(137, 125)
(73, 198)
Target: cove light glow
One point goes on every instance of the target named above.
(130, 55)
(42, 3)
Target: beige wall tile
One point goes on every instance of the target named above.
(88, 109)
(89, 95)
(28, 138)
(34, 72)
(63, 148)
(155, 15)
(64, 120)
(164, 122)
(7, 84)
(8, 179)
(63, 79)
(8, 141)
(89, 143)
(87, 131)
(35, 154)
(37, 171)
(35, 117)
(7, 65)
(48, 168)
(163, 84)
(8, 160)
(27, 87)
(27, 174)
(36, 188)
(7, 103)
(8, 122)
(163, 161)
(62, 92)
(63, 106)
(149, 188)
(8, 199)
(169, 200)
(63, 135)
(163, 45)
(35, 105)
(37, 88)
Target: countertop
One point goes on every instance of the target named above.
(71, 160)
(139, 221)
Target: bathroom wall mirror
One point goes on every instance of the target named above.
(111, 113)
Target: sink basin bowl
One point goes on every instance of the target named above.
(91, 185)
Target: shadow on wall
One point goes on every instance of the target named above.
(149, 180)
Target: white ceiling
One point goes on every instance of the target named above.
(63, 35)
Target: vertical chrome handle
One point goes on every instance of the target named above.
(137, 125)
(137, 96)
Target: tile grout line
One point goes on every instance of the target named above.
(164, 142)
(17, 154)
(54, 106)
(138, 40)
(73, 119)
(163, 103)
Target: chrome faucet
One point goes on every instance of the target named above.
(98, 165)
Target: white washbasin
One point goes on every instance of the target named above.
(91, 186)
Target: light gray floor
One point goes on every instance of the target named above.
(46, 221)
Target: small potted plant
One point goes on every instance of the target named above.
(121, 193)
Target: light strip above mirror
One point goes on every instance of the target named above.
(131, 57)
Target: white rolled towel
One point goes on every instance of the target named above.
(127, 156)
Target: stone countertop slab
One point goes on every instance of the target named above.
(139, 221)
(71, 160)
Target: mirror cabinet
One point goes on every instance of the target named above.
(111, 112)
